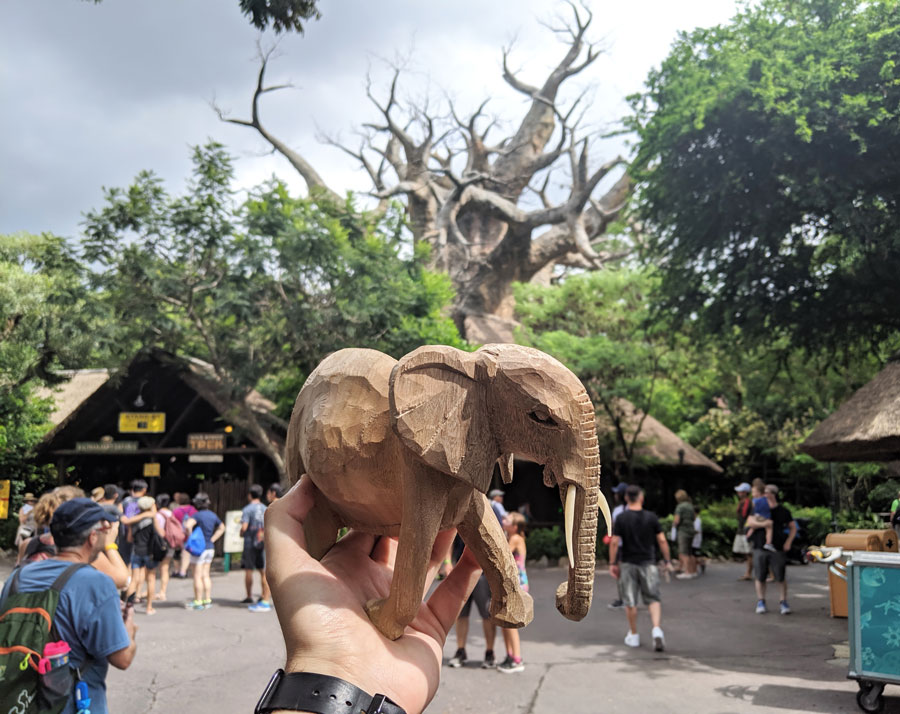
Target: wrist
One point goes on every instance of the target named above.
(321, 694)
(111, 546)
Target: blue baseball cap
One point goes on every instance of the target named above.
(78, 515)
(620, 488)
(742, 487)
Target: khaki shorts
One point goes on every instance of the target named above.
(635, 579)
(741, 545)
(684, 542)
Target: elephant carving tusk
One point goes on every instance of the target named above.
(604, 508)
(570, 519)
(506, 468)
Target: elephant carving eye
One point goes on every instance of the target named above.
(542, 416)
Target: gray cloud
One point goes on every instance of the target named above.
(95, 93)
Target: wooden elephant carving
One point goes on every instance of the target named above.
(408, 448)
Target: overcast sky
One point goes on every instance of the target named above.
(92, 94)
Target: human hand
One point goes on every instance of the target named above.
(786, 547)
(320, 606)
(614, 571)
(128, 617)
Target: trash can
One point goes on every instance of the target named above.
(860, 540)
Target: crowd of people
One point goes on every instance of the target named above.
(135, 543)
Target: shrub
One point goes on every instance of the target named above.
(546, 541)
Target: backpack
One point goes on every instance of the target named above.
(196, 542)
(159, 548)
(31, 682)
(175, 535)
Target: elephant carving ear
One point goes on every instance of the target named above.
(438, 411)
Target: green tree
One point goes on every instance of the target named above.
(767, 170)
(597, 324)
(260, 287)
(50, 320)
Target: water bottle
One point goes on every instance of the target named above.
(56, 654)
(82, 700)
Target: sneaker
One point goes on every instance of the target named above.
(761, 607)
(769, 547)
(616, 605)
(685, 576)
(459, 659)
(785, 608)
(659, 640)
(511, 665)
(207, 604)
(247, 601)
(489, 661)
(261, 606)
(633, 639)
(193, 605)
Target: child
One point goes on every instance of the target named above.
(762, 514)
(513, 524)
(213, 529)
(697, 542)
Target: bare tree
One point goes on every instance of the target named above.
(474, 201)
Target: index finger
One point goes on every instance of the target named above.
(284, 536)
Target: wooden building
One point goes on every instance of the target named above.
(166, 419)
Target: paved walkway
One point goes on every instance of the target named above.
(721, 657)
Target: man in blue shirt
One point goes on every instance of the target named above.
(89, 615)
(254, 555)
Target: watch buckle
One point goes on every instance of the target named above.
(262, 704)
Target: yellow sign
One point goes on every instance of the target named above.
(4, 499)
(142, 422)
(206, 442)
(151, 470)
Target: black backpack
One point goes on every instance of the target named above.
(26, 626)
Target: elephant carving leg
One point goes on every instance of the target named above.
(320, 527)
(424, 501)
(480, 530)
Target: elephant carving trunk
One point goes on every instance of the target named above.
(573, 597)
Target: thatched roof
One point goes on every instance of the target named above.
(657, 444)
(79, 394)
(866, 427)
(71, 394)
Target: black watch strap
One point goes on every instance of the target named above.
(321, 694)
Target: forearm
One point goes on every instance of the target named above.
(124, 657)
(110, 563)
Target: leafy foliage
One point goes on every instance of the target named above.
(597, 324)
(23, 421)
(767, 168)
(285, 15)
(50, 320)
(546, 541)
(261, 288)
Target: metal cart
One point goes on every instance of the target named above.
(873, 621)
